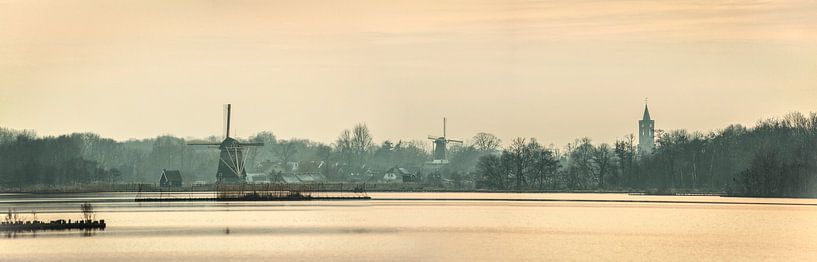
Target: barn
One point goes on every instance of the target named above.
(170, 178)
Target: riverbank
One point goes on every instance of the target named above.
(376, 187)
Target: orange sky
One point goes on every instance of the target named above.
(551, 70)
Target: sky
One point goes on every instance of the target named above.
(553, 70)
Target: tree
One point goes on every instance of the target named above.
(361, 142)
(268, 151)
(580, 161)
(410, 153)
(266, 137)
(544, 167)
(602, 160)
(343, 146)
(87, 211)
(384, 155)
(486, 142)
(518, 153)
(625, 152)
(491, 172)
(287, 151)
(463, 158)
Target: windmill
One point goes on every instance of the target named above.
(440, 144)
(232, 157)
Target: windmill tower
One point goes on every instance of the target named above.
(440, 143)
(232, 157)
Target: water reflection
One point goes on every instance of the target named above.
(51, 233)
(411, 226)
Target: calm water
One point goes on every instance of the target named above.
(409, 226)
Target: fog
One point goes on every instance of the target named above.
(307, 69)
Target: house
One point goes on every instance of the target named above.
(257, 178)
(288, 179)
(301, 178)
(399, 174)
(311, 177)
(170, 178)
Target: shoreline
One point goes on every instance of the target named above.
(440, 190)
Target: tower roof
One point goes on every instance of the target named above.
(646, 113)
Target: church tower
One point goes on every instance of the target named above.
(646, 133)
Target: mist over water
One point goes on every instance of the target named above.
(501, 226)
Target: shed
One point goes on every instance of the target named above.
(170, 178)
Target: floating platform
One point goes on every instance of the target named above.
(60, 224)
(674, 194)
(265, 192)
(186, 199)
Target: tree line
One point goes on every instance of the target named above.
(82, 158)
(776, 157)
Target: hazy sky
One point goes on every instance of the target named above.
(551, 70)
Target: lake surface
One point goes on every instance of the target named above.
(424, 226)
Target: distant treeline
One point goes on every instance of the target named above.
(777, 157)
(83, 158)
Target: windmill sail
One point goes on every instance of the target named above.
(226, 123)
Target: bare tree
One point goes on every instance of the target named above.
(286, 151)
(486, 142)
(491, 172)
(625, 151)
(361, 142)
(268, 149)
(519, 154)
(579, 163)
(544, 166)
(602, 160)
(87, 211)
